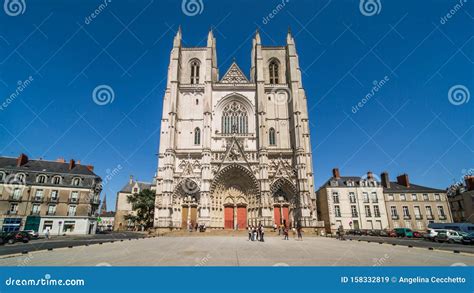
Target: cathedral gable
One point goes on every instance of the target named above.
(234, 75)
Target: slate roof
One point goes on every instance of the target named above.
(342, 181)
(142, 185)
(398, 188)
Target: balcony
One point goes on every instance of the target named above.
(34, 213)
(50, 213)
(406, 217)
(15, 198)
(442, 217)
(53, 199)
(429, 217)
(12, 212)
(395, 217)
(355, 215)
(37, 199)
(71, 214)
(418, 217)
(94, 201)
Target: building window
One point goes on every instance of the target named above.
(406, 212)
(71, 211)
(441, 213)
(16, 193)
(354, 211)
(48, 225)
(374, 197)
(376, 211)
(367, 211)
(195, 72)
(390, 197)
(39, 194)
(352, 198)
(429, 213)
(197, 101)
(69, 226)
(394, 212)
(35, 210)
(425, 197)
(273, 67)
(13, 209)
(57, 180)
(337, 211)
(20, 178)
(234, 119)
(335, 197)
(271, 136)
(76, 181)
(437, 197)
(51, 209)
(41, 179)
(197, 136)
(365, 195)
(403, 197)
(54, 194)
(414, 197)
(74, 196)
(417, 211)
(2, 176)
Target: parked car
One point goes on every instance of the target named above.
(417, 234)
(467, 238)
(12, 237)
(452, 236)
(33, 234)
(432, 234)
(404, 232)
(384, 233)
(392, 233)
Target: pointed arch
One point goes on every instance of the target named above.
(197, 136)
(274, 71)
(195, 66)
(271, 136)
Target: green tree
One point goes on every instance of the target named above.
(143, 203)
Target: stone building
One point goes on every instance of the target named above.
(234, 150)
(414, 206)
(56, 195)
(124, 208)
(352, 202)
(461, 201)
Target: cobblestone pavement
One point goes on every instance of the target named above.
(237, 251)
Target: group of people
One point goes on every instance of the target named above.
(256, 233)
(284, 230)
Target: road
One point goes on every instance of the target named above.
(415, 243)
(66, 241)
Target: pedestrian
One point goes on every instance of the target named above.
(340, 231)
(300, 235)
(262, 232)
(285, 232)
(274, 227)
(46, 234)
(249, 228)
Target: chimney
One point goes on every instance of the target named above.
(21, 160)
(370, 175)
(60, 160)
(90, 168)
(335, 173)
(78, 162)
(72, 164)
(385, 179)
(131, 179)
(469, 182)
(403, 180)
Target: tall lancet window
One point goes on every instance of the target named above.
(194, 72)
(235, 119)
(271, 136)
(197, 136)
(273, 67)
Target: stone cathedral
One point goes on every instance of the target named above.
(234, 151)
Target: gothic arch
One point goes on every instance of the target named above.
(231, 167)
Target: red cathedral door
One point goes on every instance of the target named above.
(277, 215)
(229, 217)
(242, 217)
(184, 217)
(284, 211)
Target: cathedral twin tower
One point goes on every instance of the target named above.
(234, 152)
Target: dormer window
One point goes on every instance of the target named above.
(273, 68)
(20, 177)
(56, 180)
(76, 181)
(2, 176)
(41, 179)
(195, 71)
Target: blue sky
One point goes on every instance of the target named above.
(409, 125)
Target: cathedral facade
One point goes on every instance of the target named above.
(234, 151)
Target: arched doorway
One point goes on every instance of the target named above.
(284, 197)
(234, 192)
(185, 204)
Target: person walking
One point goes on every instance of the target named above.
(46, 234)
(285, 232)
(300, 234)
(340, 231)
(262, 232)
(249, 228)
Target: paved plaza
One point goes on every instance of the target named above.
(237, 251)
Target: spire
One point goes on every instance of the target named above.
(289, 37)
(177, 38)
(257, 39)
(210, 38)
(103, 207)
